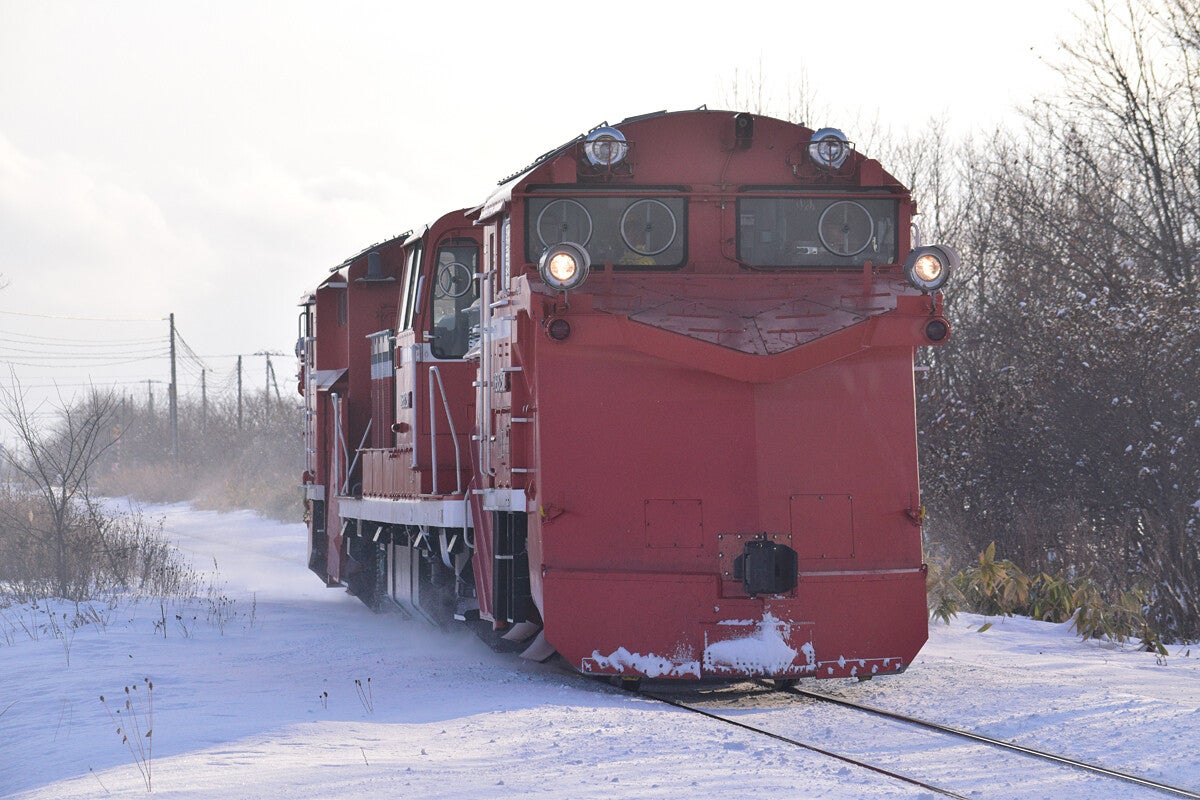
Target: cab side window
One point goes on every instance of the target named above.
(408, 295)
(455, 297)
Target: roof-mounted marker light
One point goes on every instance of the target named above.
(928, 268)
(829, 148)
(605, 147)
(743, 131)
(564, 266)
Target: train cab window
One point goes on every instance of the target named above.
(506, 253)
(627, 232)
(834, 232)
(455, 297)
(412, 271)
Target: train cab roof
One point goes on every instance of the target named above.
(387, 242)
(503, 194)
(336, 280)
(582, 159)
(409, 237)
(327, 379)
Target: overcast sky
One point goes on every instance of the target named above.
(216, 159)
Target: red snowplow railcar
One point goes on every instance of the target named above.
(650, 406)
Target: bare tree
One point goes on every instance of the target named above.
(1060, 422)
(1131, 91)
(757, 93)
(55, 464)
(223, 463)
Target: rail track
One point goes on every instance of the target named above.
(805, 746)
(979, 739)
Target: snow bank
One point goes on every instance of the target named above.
(267, 705)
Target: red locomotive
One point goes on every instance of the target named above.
(650, 406)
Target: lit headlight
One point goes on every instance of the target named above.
(829, 148)
(928, 268)
(605, 147)
(564, 266)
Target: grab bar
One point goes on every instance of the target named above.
(434, 372)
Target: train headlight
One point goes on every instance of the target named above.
(829, 148)
(564, 266)
(928, 268)
(605, 147)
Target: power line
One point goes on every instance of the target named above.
(59, 341)
(85, 353)
(78, 319)
(239, 355)
(144, 351)
(187, 348)
(80, 366)
(88, 385)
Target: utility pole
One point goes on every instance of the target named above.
(270, 378)
(173, 396)
(150, 390)
(239, 369)
(203, 402)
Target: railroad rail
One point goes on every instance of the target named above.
(805, 746)
(977, 737)
(1064, 761)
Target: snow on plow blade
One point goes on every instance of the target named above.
(769, 647)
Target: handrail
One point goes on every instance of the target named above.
(354, 463)
(485, 376)
(308, 365)
(434, 372)
(337, 439)
(416, 435)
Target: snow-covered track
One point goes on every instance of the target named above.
(804, 745)
(976, 737)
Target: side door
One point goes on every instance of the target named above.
(450, 323)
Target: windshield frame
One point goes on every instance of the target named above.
(837, 230)
(620, 226)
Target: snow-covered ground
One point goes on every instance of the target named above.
(273, 686)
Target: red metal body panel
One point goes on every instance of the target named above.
(629, 443)
(716, 459)
(329, 354)
(691, 408)
(371, 301)
(395, 472)
(696, 410)
(350, 305)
